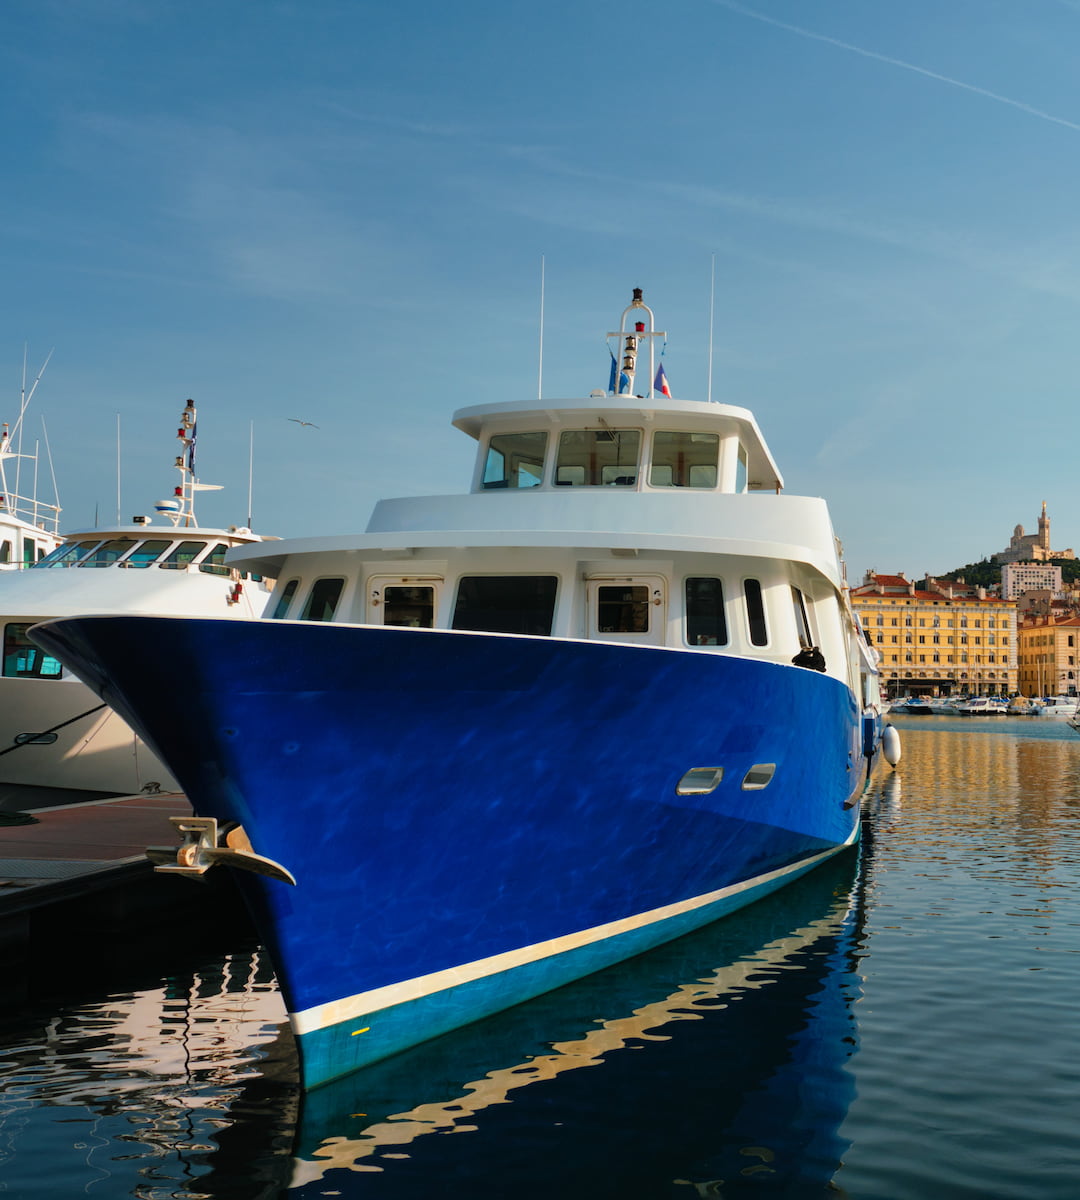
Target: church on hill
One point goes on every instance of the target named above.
(1031, 547)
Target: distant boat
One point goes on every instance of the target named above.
(506, 738)
(912, 706)
(1056, 706)
(984, 706)
(58, 742)
(29, 525)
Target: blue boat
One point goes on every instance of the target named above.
(505, 739)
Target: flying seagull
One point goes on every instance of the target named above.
(299, 422)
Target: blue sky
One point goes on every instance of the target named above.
(335, 210)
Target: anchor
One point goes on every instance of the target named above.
(205, 845)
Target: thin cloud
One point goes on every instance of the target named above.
(897, 62)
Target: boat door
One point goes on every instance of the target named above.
(630, 608)
(411, 601)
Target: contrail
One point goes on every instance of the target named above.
(897, 62)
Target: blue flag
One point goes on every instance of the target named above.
(614, 366)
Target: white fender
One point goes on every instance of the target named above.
(890, 745)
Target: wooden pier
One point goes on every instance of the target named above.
(76, 876)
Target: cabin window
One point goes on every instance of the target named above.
(593, 457)
(323, 600)
(410, 607)
(622, 608)
(802, 619)
(5, 552)
(506, 604)
(24, 660)
(214, 562)
(755, 612)
(281, 608)
(107, 553)
(28, 555)
(67, 554)
(684, 459)
(179, 559)
(515, 460)
(146, 553)
(706, 624)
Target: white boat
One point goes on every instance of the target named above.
(506, 738)
(1056, 706)
(58, 742)
(29, 525)
(983, 706)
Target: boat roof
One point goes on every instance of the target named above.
(602, 408)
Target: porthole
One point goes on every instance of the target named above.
(759, 776)
(700, 781)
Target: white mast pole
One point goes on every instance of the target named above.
(251, 469)
(540, 368)
(118, 468)
(712, 300)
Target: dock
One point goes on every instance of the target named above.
(76, 876)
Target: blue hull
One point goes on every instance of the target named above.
(474, 819)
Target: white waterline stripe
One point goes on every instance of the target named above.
(349, 1008)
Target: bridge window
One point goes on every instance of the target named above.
(593, 457)
(107, 553)
(622, 608)
(684, 459)
(515, 460)
(146, 553)
(214, 562)
(179, 559)
(506, 603)
(67, 554)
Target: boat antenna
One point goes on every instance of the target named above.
(118, 517)
(24, 400)
(52, 469)
(540, 368)
(251, 469)
(712, 301)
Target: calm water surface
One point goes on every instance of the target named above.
(899, 1024)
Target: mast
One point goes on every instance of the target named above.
(630, 342)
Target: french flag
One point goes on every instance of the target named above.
(660, 383)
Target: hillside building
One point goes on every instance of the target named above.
(1031, 547)
(1020, 577)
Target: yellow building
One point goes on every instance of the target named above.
(939, 638)
(1047, 655)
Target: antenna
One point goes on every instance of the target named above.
(712, 301)
(251, 469)
(52, 469)
(118, 469)
(540, 369)
(24, 399)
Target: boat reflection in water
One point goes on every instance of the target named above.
(720, 1066)
(720, 1056)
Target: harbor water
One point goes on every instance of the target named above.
(899, 1024)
